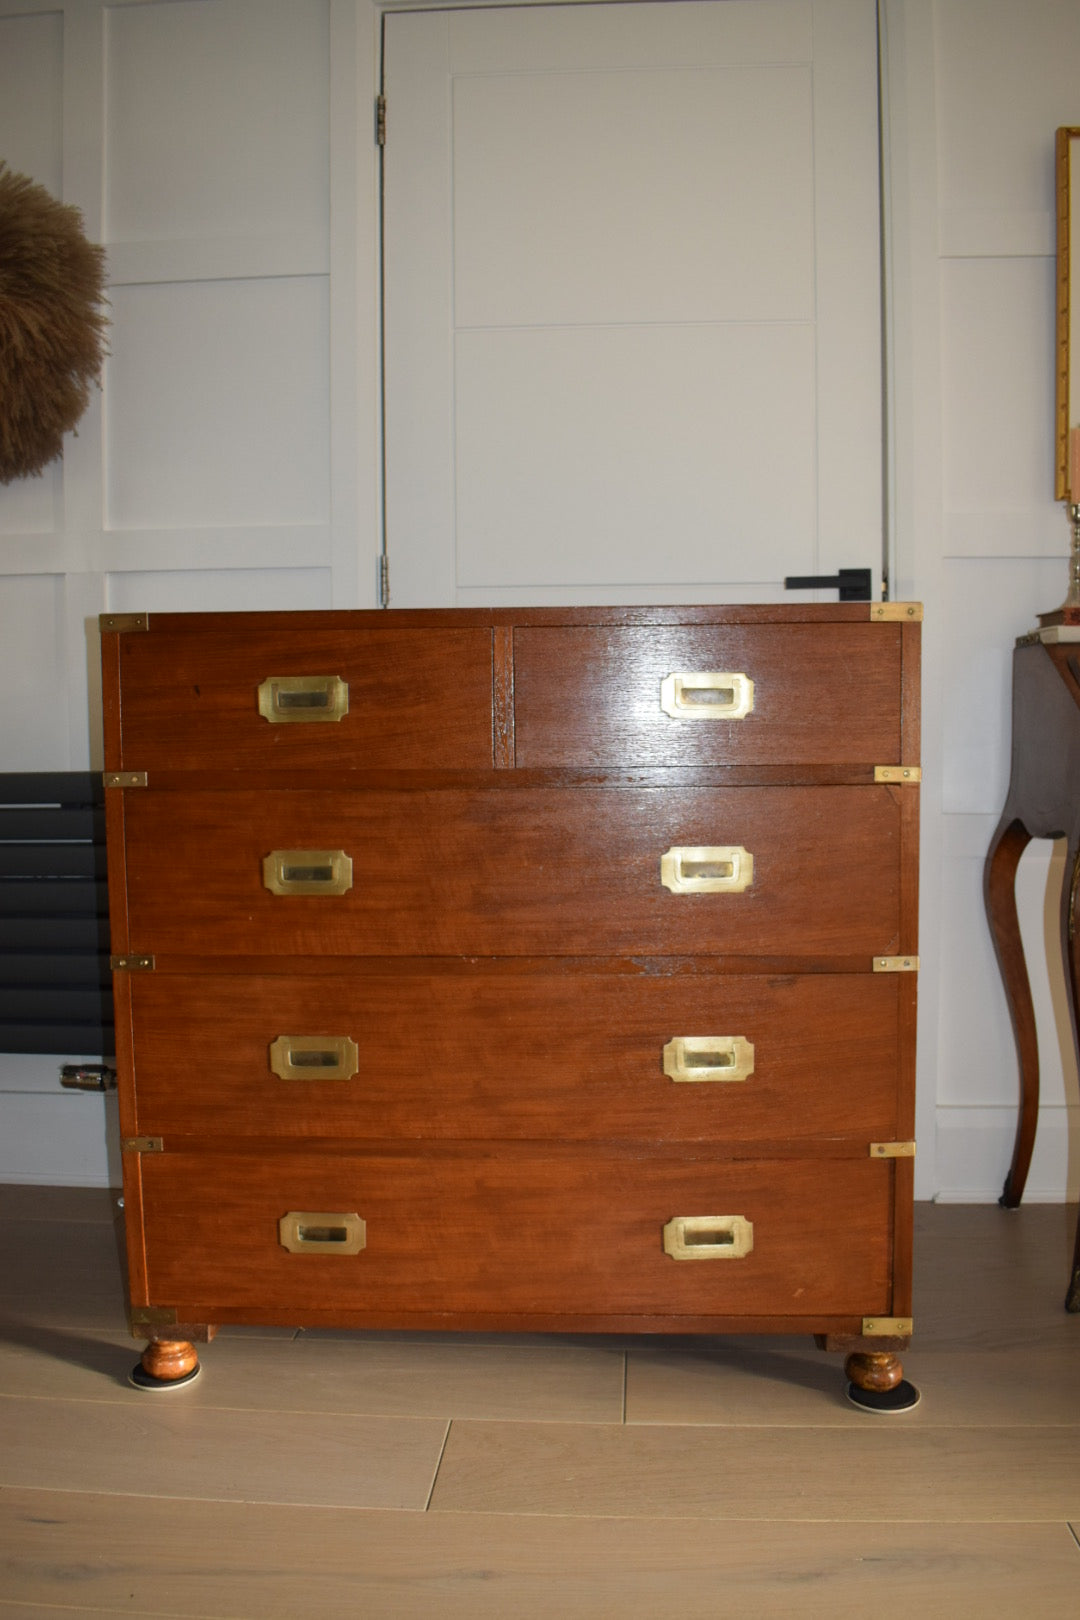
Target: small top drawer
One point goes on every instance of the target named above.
(796, 694)
(199, 695)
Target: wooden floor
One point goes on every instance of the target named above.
(397, 1475)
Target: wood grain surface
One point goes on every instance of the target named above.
(476, 1053)
(524, 1233)
(520, 872)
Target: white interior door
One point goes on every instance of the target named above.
(633, 319)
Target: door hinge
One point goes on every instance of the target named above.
(126, 779)
(131, 964)
(382, 586)
(380, 120)
(896, 964)
(892, 1150)
(896, 612)
(142, 1144)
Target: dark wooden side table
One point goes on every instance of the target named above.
(1043, 802)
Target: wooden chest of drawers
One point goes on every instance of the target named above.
(491, 969)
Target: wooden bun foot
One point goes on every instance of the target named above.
(166, 1364)
(878, 1383)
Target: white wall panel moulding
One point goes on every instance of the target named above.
(972, 233)
(232, 258)
(974, 1149)
(59, 1141)
(1025, 533)
(256, 546)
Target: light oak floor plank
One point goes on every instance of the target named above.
(780, 1382)
(165, 1446)
(145, 1556)
(20, 1202)
(993, 1278)
(62, 1272)
(884, 1471)
(40, 1611)
(544, 1383)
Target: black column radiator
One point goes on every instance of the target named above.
(55, 986)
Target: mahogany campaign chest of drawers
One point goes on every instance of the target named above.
(534, 970)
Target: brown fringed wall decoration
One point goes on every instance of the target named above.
(52, 326)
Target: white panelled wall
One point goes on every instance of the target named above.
(223, 151)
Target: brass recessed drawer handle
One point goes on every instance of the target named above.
(288, 699)
(305, 1231)
(709, 1057)
(707, 869)
(710, 695)
(307, 871)
(314, 1057)
(708, 1237)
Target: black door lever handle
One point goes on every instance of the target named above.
(852, 583)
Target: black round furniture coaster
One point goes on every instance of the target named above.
(900, 1399)
(144, 1380)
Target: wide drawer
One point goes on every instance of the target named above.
(812, 694)
(489, 1054)
(511, 871)
(332, 698)
(515, 1233)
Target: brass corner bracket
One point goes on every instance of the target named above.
(123, 621)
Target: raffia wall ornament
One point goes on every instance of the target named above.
(52, 325)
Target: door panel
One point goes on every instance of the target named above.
(632, 300)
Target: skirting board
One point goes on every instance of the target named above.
(68, 1139)
(974, 1150)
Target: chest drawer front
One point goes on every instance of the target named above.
(514, 872)
(489, 1055)
(519, 1233)
(822, 694)
(411, 698)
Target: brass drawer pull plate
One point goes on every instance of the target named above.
(305, 1231)
(709, 1057)
(707, 869)
(710, 695)
(314, 1057)
(307, 871)
(709, 1237)
(291, 699)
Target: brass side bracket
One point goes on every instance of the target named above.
(904, 774)
(892, 1150)
(126, 779)
(904, 612)
(887, 1327)
(896, 964)
(131, 964)
(124, 621)
(142, 1144)
(141, 1316)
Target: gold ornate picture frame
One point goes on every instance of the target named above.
(1067, 456)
